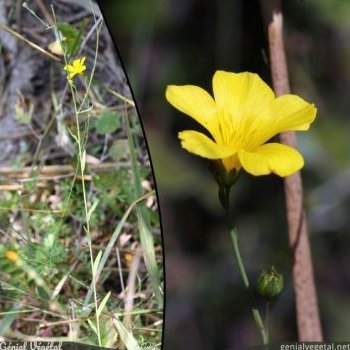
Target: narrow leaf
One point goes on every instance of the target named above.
(96, 262)
(71, 134)
(83, 161)
(92, 209)
(107, 252)
(146, 236)
(126, 337)
(93, 327)
(103, 304)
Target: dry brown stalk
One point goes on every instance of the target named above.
(55, 170)
(30, 43)
(12, 178)
(129, 295)
(308, 320)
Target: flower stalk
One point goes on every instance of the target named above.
(256, 314)
(225, 182)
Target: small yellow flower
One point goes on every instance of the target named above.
(243, 115)
(11, 255)
(77, 67)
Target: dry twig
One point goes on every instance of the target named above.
(308, 320)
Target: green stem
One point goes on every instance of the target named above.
(267, 317)
(256, 314)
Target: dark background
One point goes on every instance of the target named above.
(184, 42)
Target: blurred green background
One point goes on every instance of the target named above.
(184, 42)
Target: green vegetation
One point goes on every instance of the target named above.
(80, 245)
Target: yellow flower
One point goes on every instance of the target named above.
(77, 67)
(11, 255)
(243, 115)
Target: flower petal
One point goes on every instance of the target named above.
(68, 68)
(293, 113)
(285, 113)
(271, 158)
(192, 100)
(201, 145)
(77, 63)
(241, 93)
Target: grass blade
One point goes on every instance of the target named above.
(126, 336)
(7, 320)
(97, 262)
(146, 236)
(92, 209)
(103, 304)
(109, 248)
(93, 327)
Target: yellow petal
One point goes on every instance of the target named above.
(293, 113)
(72, 74)
(274, 158)
(201, 145)
(285, 113)
(192, 100)
(68, 67)
(78, 65)
(242, 94)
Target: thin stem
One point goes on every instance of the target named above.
(81, 157)
(256, 314)
(267, 307)
(88, 233)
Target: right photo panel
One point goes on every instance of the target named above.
(245, 107)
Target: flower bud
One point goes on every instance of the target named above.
(270, 284)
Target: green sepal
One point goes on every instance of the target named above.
(221, 175)
(225, 179)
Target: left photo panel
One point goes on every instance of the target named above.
(81, 257)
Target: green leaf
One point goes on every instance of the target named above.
(108, 122)
(92, 209)
(71, 37)
(7, 320)
(107, 252)
(49, 240)
(103, 304)
(146, 235)
(96, 262)
(83, 161)
(126, 336)
(42, 293)
(93, 327)
(71, 133)
(119, 150)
